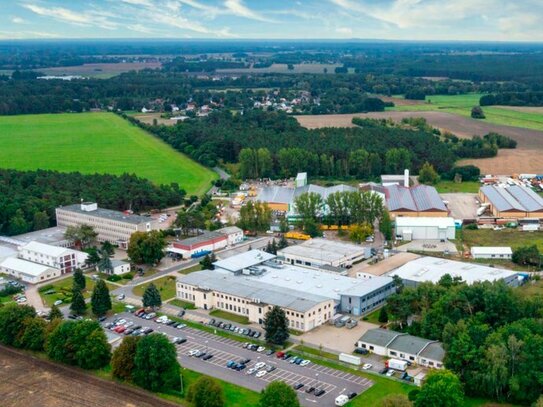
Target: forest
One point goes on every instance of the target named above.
(513, 99)
(28, 198)
(493, 335)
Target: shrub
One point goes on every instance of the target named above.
(114, 278)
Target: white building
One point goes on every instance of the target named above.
(119, 267)
(27, 271)
(421, 228)
(66, 260)
(316, 253)
(113, 226)
(432, 269)
(199, 245)
(479, 252)
(234, 235)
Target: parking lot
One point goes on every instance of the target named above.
(333, 382)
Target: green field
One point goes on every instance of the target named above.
(239, 319)
(165, 285)
(462, 104)
(96, 143)
(451, 186)
(506, 237)
(62, 290)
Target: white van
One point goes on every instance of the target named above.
(341, 400)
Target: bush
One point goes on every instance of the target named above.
(46, 288)
(128, 276)
(114, 278)
(472, 226)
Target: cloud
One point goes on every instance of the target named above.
(237, 8)
(58, 13)
(344, 30)
(17, 20)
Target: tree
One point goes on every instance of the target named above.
(441, 388)
(12, 317)
(385, 225)
(55, 313)
(18, 224)
(309, 206)
(428, 175)
(146, 247)
(107, 249)
(477, 113)
(79, 279)
(282, 243)
(93, 257)
(122, 361)
(527, 255)
(206, 392)
(278, 394)
(151, 297)
(383, 315)
(104, 264)
(41, 220)
(397, 160)
(78, 305)
(83, 235)
(396, 400)
(276, 326)
(255, 217)
(155, 364)
(359, 233)
(100, 300)
(207, 263)
(32, 334)
(312, 228)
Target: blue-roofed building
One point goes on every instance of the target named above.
(417, 201)
(512, 202)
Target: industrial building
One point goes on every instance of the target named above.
(113, 226)
(28, 271)
(53, 236)
(66, 260)
(202, 244)
(512, 202)
(417, 201)
(402, 346)
(251, 283)
(439, 228)
(432, 269)
(478, 252)
(316, 253)
(234, 235)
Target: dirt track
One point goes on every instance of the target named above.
(26, 381)
(527, 157)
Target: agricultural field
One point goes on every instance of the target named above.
(283, 68)
(96, 143)
(100, 71)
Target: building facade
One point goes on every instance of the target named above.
(66, 260)
(422, 228)
(27, 271)
(201, 244)
(479, 252)
(234, 235)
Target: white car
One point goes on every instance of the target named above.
(259, 365)
(261, 349)
(367, 366)
(262, 373)
(121, 297)
(181, 326)
(128, 324)
(251, 370)
(121, 322)
(193, 352)
(305, 362)
(58, 302)
(390, 372)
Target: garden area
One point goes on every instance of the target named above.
(62, 290)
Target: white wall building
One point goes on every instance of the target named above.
(420, 228)
(233, 234)
(479, 252)
(66, 260)
(119, 267)
(27, 271)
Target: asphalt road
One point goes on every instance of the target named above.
(334, 382)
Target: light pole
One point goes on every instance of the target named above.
(206, 346)
(316, 380)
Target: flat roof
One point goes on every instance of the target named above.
(419, 198)
(116, 263)
(286, 195)
(108, 214)
(491, 250)
(384, 266)
(52, 236)
(324, 250)
(228, 230)
(25, 267)
(244, 260)
(241, 286)
(409, 221)
(7, 250)
(47, 249)
(433, 268)
(204, 237)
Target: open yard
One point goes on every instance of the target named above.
(506, 237)
(62, 290)
(95, 143)
(165, 285)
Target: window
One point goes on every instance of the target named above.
(371, 347)
(393, 353)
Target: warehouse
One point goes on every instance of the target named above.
(512, 202)
(402, 346)
(504, 253)
(28, 271)
(432, 269)
(408, 228)
(417, 201)
(234, 235)
(199, 245)
(316, 253)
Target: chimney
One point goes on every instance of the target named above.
(406, 178)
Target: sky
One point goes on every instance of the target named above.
(472, 20)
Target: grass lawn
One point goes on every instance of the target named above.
(532, 288)
(238, 319)
(183, 304)
(373, 317)
(506, 237)
(63, 290)
(451, 186)
(96, 143)
(196, 267)
(165, 285)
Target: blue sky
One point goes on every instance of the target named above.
(491, 20)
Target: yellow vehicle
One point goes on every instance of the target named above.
(334, 227)
(297, 236)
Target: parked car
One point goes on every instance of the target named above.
(367, 366)
(310, 390)
(121, 297)
(57, 302)
(383, 370)
(262, 373)
(230, 363)
(361, 351)
(251, 371)
(269, 352)
(298, 386)
(244, 361)
(261, 349)
(352, 395)
(260, 365)
(305, 362)
(256, 335)
(390, 372)
(280, 355)
(207, 357)
(319, 392)
(181, 313)
(270, 368)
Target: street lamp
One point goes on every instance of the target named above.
(206, 346)
(316, 380)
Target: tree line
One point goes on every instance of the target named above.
(513, 99)
(28, 198)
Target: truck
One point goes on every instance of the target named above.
(348, 358)
(396, 364)
(341, 400)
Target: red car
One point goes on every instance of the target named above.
(139, 312)
(120, 329)
(280, 355)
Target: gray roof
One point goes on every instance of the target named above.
(243, 260)
(417, 199)
(514, 198)
(229, 230)
(433, 351)
(325, 250)
(204, 237)
(409, 344)
(108, 214)
(379, 336)
(116, 263)
(286, 195)
(239, 286)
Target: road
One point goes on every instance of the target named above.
(334, 382)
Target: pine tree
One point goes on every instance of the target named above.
(55, 313)
(276, 326)
(206, 263)
(282, 243)
(79, 279)
(93, 257)
(151, 297)
(274, 247)
(383, 315)
(78, 305)
(100, 300)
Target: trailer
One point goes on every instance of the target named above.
(353, 360)
(396, 364)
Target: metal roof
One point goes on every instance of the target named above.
(108, 214)
(500, 199)
(244, 260)
(229, 230)
(379, 336)
(46, 249)
(276, 195)
(26, 267)
(527, 198)
(204, 237)
(409, 344)
(417, 199)
(324, 250)
(241, 286)
(491, 250)
(433, 351)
